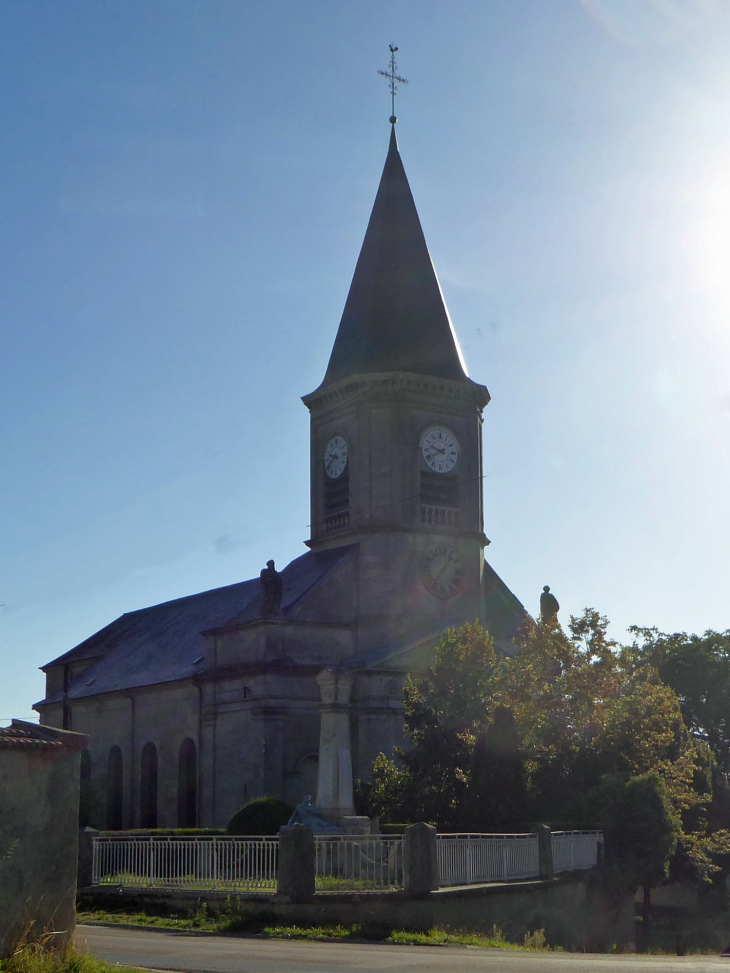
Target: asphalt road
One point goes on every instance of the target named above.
(219, 954)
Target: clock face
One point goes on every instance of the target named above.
(440, 449)
(335, 457)
(441, 571)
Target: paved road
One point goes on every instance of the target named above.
(218, 954)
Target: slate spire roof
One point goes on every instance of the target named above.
(395, 317)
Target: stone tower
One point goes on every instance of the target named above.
(396, 454)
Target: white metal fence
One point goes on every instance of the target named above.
(360, 862)
(342, 862)
(576, 850)
(196, 863)
(468, 859)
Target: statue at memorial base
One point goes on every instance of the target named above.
(312, 817)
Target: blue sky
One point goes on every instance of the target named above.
(184, 188)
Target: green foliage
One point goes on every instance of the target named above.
(497, 787)
(232, 922)
(262, 816)
(698, 669)
(571, 721)
(640, 829)
(443, 715)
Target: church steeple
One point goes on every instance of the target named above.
(395, 317)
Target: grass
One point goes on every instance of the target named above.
(230, 922)
(183, 881)
(29, 960)
(33, 953)
(405, 937)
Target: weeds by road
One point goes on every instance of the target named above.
(230, 922)
(34, 958)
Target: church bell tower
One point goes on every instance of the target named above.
(396, 448)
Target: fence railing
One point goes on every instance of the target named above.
(342, 862)
(360, 862)
(469, 859)
(576, 850)
(195, 863)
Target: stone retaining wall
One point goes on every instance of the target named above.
(576, 911)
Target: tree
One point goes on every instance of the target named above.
(639, 828)
(698, 670)
(499, 740)
(444, 715)
(496, 797)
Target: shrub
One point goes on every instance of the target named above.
(264, 816)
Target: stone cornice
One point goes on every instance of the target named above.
(338, 393)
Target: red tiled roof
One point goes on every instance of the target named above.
(27, 736)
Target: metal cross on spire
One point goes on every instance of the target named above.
(395, 80)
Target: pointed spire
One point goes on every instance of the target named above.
(395, 317)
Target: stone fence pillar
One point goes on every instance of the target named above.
(296, 863)
(545, 850)
(86, 856)
(420, 859)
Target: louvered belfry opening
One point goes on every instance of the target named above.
(337, 500)
(439, 499)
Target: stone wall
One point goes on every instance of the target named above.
(576, 911)
(39, 813)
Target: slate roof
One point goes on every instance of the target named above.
(504, 613)
(395, 317)
(164, 643)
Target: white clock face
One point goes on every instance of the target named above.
(441, 571)
(440, 449)
(335, 457)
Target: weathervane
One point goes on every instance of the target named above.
(395, 80)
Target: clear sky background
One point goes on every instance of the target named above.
(184, 188)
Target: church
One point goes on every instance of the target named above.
(290, 683)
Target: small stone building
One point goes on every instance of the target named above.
(39, 811)
(197, 705)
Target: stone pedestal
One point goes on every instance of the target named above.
(357, 824)
(334, 780)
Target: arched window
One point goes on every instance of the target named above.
(187, 785)
(114, 789)
(148, 787)
(85, 790)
